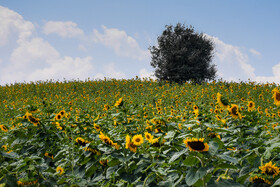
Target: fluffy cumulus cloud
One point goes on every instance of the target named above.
(120, 42)
(232, 62)
(33, 58)
(111, 72)
(12, 24)
(143, 73)
(274, 78)
(67, 29)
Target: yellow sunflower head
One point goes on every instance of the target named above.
(251, 106)
(148, 137)
(137, 139)
(276, 96)
(129, 145)
(257, 179)
(195, 144)
(59, 170)
(270, 169)
(223, 102)
(234, 111)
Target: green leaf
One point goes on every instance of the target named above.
(228, 158)
(170, 134)
(190, 161)
(277, 183)
(213, 148)
(194, 175)
(177, 155)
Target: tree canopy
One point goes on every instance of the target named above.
(183, 55)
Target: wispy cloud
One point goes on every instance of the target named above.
(120, 42)
(67, 29)
(254, 52)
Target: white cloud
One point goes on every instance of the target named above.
(254, 52)
(65, 68)
(275, 78)
(111, 72)
(120, 42)
(12, 23)
(232, 62)
(67, 29)
(143, 73)
(99, 76)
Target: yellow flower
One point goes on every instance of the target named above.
(96, 127)
(58, 116)
(270, 169)
(149, 137)
(49, 155)
(137, 139)
(129, 145)
(251, 106)
(234, 112)
(195, 144)
(259, 180)
(60, 170)
(276, 96)
(222, 101)
(4, 128)
(119, 102)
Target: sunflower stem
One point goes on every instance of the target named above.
(202, 165)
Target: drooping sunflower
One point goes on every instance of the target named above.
(276, 96)
(137, 139)
(258, 179)
(119, 102)
(195, 144)
(234, 112)
(81, 141)
(223, 102)
(270, 169)
(251, 106)
(214, 135)
(108, 141)
(130, 145)
(60, 170)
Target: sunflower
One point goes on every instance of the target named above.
(96, 127)
(195, 144)
(214, 135)
(58, 116)
(259, 180)
(4, 128)
(149, 137)
(105, 139)
(234, 112)
(222, 101)
(49, 155)
(81, 141)
(276, 96)
(251, 106)
(270, 169)
(119, 102)
(60, 170)
(129, 145)
(27, 181)
(137, 139)
(103, 162)
(94, 151)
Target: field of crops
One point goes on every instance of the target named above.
(139, 133)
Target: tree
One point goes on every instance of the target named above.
(183, 55)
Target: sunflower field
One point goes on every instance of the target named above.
(139, 132)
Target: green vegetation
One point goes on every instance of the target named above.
(139, 133)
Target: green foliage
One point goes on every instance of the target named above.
(37, 147)
(183, 55)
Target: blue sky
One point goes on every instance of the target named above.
(70, 39)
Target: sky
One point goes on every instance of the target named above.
(89, 39)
